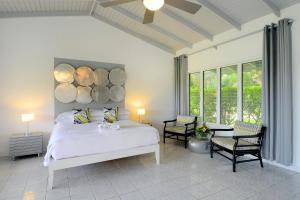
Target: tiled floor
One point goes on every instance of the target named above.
(182, 175)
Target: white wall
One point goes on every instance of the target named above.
(29, 45)
(250, 48)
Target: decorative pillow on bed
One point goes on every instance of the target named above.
(82, 116)
(111, 114)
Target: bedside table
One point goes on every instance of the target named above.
(21, 145)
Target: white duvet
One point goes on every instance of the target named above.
(71, 140)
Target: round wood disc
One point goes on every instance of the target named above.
(117, 93)
(84, 95)
(84, 76)
(65, 92)
(64, 73)
(100, 94)
(101, 77)
(117, 76)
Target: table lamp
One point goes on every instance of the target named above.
(141, 112)
(28, 117)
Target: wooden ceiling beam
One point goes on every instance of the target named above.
(272, 7)
(220, 13)
(187, 23)
(153, 26)
(135, 34)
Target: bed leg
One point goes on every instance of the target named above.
(50, 178)
(157, 155)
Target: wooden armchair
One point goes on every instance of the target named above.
(247, 139)
(181, 127)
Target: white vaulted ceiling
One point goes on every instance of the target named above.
(171, 30)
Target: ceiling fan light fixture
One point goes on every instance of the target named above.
(153, 5)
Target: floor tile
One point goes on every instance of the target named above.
(182, 175)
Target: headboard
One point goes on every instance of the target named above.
(60, 107)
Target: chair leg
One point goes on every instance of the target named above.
(164, 137)
(260, 160)
(211, 150)
(185, 141)
(234, 163)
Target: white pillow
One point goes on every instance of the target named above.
(97, 115)
(65, 117)
(124, 114)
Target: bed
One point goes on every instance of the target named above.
(72, 145)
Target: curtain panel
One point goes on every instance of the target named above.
(181, 85)
(277, 92)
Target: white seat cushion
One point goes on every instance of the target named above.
(176, 129)
(228, 143)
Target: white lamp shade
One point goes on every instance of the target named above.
(153, 4)
(27, 117)
(141, 111)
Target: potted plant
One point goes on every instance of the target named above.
(202, 132)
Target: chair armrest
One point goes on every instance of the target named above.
(168, 121)
(222, 136)
(218, 130)
(245, 136)
(188, 124)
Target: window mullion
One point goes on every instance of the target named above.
(201, 97)
(240, 92)
(218, 103)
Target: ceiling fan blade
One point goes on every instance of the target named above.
(184, 5)
(148, 17)
(114, 3)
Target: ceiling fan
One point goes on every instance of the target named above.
(154, 5)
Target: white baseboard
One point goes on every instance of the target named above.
(291, 167)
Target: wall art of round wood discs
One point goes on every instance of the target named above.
(100, 94)
(64, 73)
(101, 77)
(117, 76)
(84, 76)
(84, 95)
(117, 93)
(65, 92)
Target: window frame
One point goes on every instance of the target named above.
(239, 88)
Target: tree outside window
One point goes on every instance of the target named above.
(210, 83)
(194, 80)
(229, 89)
(252, 92)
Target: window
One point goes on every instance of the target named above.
(229, 89)
(195, 94)
(229, 93)
(210, 84)
(252, 92)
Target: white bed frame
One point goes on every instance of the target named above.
(85, 160)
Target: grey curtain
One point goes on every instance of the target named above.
(277, 92)
(181, 85)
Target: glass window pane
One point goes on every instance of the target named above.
(210, 95)
(252, 92)
(195, 94)
(229, 95)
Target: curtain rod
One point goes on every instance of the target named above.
(231, 40)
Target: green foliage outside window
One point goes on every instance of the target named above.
(252, 92)
(229, 95)
(195, 94)
(210, 95)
